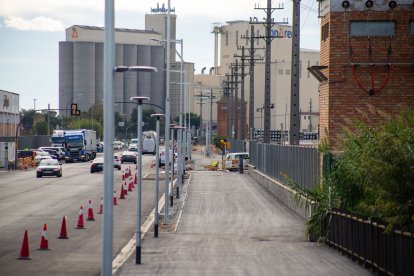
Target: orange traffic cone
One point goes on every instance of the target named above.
(130, 187)
(123, 175)
(44, 243)
(63, 233)
(24, 251)
(125, 188)
(122, 192)
(115, 203)
(90, 212)
(135, 179)
(101, 207)
(81, 224)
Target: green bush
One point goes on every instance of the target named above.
(373, 176)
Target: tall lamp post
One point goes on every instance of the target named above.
(157, 169)
(139, 101)
(139, 176)
(180, 166)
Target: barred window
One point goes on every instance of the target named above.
(325, 32)
(237, 38)
(227, 38)
(372, 28)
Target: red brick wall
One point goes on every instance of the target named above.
(222, 117)
(341, 99)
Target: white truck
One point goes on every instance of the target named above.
(58, 138)
(148, 142)
(80, 145)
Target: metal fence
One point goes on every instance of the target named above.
(366, 242)
(30, 142)
(237, 145)
(301, 164)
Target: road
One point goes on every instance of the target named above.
(27, 202)
(231, 226)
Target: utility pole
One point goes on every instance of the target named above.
(34, 104)
(268, 39)
(294, 96)
(227, 95)
(242, 133)
(236, 100)
(48, 119)
(201, 114)
(310, 115)
(252, 61)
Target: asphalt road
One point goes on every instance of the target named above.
(231, 226)
(27, 202)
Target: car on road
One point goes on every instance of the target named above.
(128, 157)
(40, 155)
(54, 154)
(162, 157)
(148, 146)
(133, 147)
(59, 150)
(49, 167)
(98, 163)
(232, 160)
(117, 162)
(99, 147)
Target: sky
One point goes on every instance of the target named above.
(30, 32)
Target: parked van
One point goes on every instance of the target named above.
(148, 146)
(232, 160)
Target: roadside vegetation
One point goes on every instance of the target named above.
(372, 176)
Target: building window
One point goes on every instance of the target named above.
(237, 38)
(247, 37)
(287, 72)
(304, 117)
(300, 68)
(411, 27)
(227, 38)
(280, 71)
(257, 37)
(325, 32)
(372, 28)
(308, 67)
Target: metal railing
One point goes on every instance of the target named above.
(301, 164)
(237, 145)
(366, 242)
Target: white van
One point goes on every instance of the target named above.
(148, 146)
(232, 160)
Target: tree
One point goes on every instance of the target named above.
(39, 128)
(27, 118)
(87, 124)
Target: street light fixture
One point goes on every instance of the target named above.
(139, 101)
(121, 69)
(157, 168)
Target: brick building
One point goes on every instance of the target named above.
(367, 62)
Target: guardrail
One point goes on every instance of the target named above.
(367, 243)
(300, 163)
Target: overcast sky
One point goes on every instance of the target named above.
(30, 31)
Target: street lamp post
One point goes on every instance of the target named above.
(139, 176)
(139, 100)
(180, 161)
(157, 169)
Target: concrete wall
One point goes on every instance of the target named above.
(281, 192)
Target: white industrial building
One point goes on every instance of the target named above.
(233, 35)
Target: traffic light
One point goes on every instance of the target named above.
(74, 111)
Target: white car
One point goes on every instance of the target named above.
(117, 161)
(232, 160)
(133, 147)
(40, 156)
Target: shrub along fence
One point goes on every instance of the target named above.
(367, 242)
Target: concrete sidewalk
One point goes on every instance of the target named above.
(230, 225)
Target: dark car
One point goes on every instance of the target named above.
(128, 157)
(54, 154)
(97, 165)
(25, 153)
(49, 167)
(99, 147)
